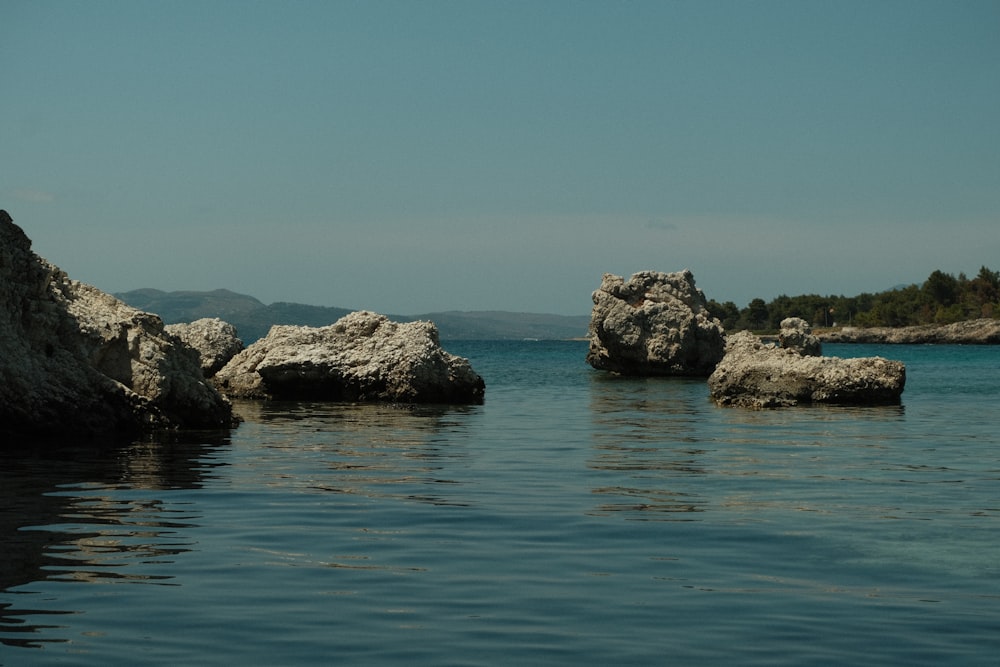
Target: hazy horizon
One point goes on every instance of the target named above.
(515, 310)
(422, 157)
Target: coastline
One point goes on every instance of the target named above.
(970, 332)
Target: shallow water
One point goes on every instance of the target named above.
(573, 518)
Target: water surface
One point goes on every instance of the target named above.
(573, 518)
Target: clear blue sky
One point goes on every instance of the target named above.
(408, 157)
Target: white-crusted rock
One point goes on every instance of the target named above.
(796, 334)
(362, 357)
(653, 324)
(758, 375)
(215, 340)
(76, 360)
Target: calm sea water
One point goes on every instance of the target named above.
(574, 518)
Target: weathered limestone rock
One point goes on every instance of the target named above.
(653, 324)
(216, 341)
(796, 334)
(361, 357)
(758, 375)
(970, 332)
(74, 360)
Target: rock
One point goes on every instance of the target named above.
(361, 357)
(970, 332)
(758, 375)
(74, 360)
(216, 341)
(654, 324)
(796, 334)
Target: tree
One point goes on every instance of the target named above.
(990, 278)
(942, 288)
(727, 313)
(984, 293)
(942, 298)
(758, 315)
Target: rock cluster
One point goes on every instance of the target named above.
(362, 357)
(653, 324)
(758, 375)
(74, 360)
(216, 341)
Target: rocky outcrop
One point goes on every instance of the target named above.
(361, 357)
(74, 360)
(971, 332)
(216, 341)
(653, 324)
(796, 334)
(758, 375)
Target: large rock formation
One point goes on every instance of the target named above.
(74, 360)
(361, 357)
(653, 324)
(970, 332)
(758, 375)
(216, 341)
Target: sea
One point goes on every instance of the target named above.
(574, 518)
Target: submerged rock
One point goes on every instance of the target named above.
(758, 375)
(216, 341)
(75, 360)
(361, 357)
(653, 324)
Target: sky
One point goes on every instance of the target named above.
(410, 156)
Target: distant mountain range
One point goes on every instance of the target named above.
(253, 318)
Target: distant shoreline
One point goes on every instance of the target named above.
(252, 319)
(970, 332)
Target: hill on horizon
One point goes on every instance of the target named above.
(253, 318)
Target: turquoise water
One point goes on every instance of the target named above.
(574, 518)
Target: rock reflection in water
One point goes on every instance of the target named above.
(94, 513)
(660, 459)
(362, 449)
(646, 432)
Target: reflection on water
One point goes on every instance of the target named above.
(672, 454)
(574, 518)
(119, 513)
(94, 514)
(100, 533)
(647, 500)
(366, 450)
(647, 428)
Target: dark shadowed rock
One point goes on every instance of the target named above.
(216, 341)
(361, 357)
(653, 324)
(76, 360)
(758, 375)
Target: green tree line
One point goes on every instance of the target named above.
(942, 299)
